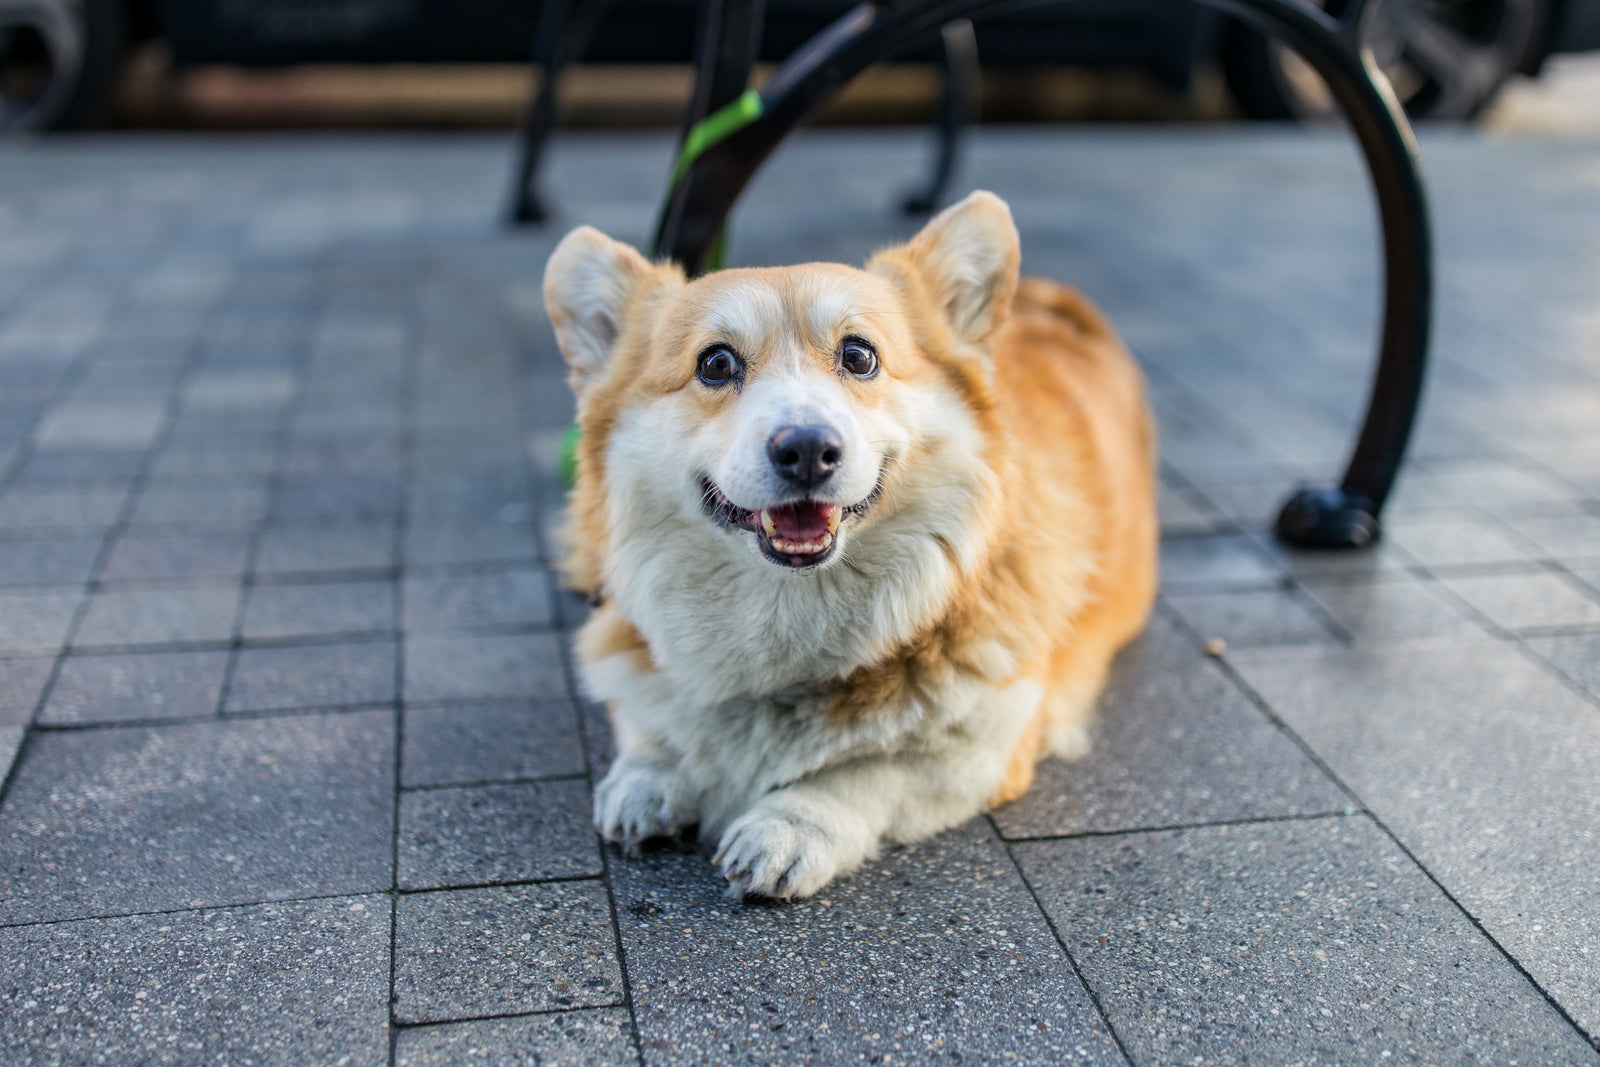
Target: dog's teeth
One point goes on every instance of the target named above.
(833, 520)
(767, 524)
(801, 548)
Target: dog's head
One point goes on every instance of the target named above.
(777, 409)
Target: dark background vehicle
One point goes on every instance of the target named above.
(59, 58)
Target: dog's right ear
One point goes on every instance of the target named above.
(967, 257)
(587, 285)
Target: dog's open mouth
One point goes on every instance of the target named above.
(801, 533)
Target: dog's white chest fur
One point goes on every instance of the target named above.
(728, 752)
(745, 659)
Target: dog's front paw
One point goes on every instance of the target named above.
(638, 801)
(777, 851)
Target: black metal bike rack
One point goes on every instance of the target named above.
(566, 28)
(732, 132)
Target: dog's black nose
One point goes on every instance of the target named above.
(805, 455)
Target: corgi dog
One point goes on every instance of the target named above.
(862, 542)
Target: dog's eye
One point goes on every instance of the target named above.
(858, 358)
(718, 365)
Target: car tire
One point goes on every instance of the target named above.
(58, 61)
(1446, 59)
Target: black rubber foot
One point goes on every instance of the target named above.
(528, 210)
(1322, 516)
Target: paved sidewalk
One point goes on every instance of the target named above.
(300, 776)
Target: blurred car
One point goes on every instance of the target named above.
(1446, 58)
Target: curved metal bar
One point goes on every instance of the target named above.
(1346, 516)
(565, 28)
(959, 52)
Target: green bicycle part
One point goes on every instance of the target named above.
(713, 129)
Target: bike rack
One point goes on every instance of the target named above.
(732, 129)
(566, 28)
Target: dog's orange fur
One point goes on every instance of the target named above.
(1077, 410)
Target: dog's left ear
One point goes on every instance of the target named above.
(968, 256)
(588, 283)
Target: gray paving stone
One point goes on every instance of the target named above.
(36, 620)
(1394, 607)
(359, 417)
(482, 458)
(1495, 482)
(1379, 561)
(378, 458)
(233, 505)
(478, 835)
(520, 597)
(1481, 763)
(86, 464)
(60, 560)
(1217, 561)
(241, 430)
(1527, 601)
(158, 616)
(131, 688)
(1184, 511)
(571, 608)
(146, 557)
(89, 506)
(314, 676)
(599, 737)
(458, 499)
(22, 682)
(1175, 742)
(433, 544)
(1458, 540)
(325, 548)
(352, 499)
(1310, 942)
(1587, 575)
(285, 983)
(326, 609)
(930, 953)
(1573, 537)
(122, 372)
(1252, 617)
(483, 667)
(183, 283)
(474, 953)
(490, 742)
(106, 822)
(1214, 451)
(1575, 655)
(10, 744)
(239, 389)
(102, 424)
(602, 1037)
(1253, 503)
(180, 462)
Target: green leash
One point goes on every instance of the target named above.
(711, 130)
(569, 454)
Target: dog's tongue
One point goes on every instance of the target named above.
(805, 521)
